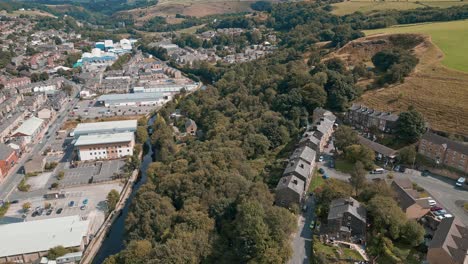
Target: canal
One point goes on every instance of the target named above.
(114, 242)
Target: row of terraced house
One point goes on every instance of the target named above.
(298, 173)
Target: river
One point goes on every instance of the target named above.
(114, 242)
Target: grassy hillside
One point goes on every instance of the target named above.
(450, 37)
(438, 92)
(368, 6)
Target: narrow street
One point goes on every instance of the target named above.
(302, 241)
(15, 175)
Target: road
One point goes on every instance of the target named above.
(441, 189)
(14, 177)
(302, 241)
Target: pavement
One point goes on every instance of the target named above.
(302, 240)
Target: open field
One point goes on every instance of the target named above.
(349, 7)
(169, 9)
(451, 37)
(438, 92)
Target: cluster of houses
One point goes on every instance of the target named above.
(366, 119)
(298, 173)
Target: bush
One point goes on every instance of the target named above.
(23, 187)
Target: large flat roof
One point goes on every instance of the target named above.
(29, 126)
(86, 140)
(130, 96)
(110, 126)
(41, 235)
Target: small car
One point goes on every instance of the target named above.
(85, 201)
(432, 202)
(83, 207)
(320, 158)
(49, 212)
(321, 170)
(440, 212)
(436, 208)
(72, 203)
(14, 202)
(59, 211)
(325, 176)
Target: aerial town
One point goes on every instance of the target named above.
(264, 132)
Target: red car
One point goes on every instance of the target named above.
(436, 208)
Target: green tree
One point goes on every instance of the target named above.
(255, 145)
(358, 177)
(112, 199)
(345, 136)
(360, 153)
(56, 252)
(26, 206)
(141, 134)
(387, 216)
(314, 96)
(410, 126)
(413, 233)
(407, 155)
(60, 175)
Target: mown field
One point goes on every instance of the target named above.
(451, 37)
(349, 7)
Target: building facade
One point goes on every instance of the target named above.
(105, 146)
(444, 151)
(8, 158)
(366, 118)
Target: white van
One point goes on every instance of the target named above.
(378, 171)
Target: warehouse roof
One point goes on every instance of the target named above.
(41, 235)
(111, 126)
(86, 140)
(29, 126)
(130, 96)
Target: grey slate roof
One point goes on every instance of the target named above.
(5, 151)
(291, 182)
(452, 236)
(379, 148)
(298, 167)
(453, 145)
(305, 153)
(407, 196)
(340, 206)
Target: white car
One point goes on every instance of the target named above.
(320, 158)
(460, 181)
(448, 215)
(432, 202)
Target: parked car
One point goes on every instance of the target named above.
(436, 208)
(14, 202)
(59, 211)
(72, 203)
(321, 170)
(460, 181)
(325, 176)
(377, 171)
(85, 201)
(49, 212)
(440, 212)
(83, 207)
(320, 158)
(425, 173)
(432, 202)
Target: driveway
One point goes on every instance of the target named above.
(302, 240)
(441, 189)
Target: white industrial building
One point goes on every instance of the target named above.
(165, 88)
(134, 99)
(28, 131)
(27, 242)
(105, 128)
(105, 146)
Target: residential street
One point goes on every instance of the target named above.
(441, 189)
(16, 175)
(302, 241)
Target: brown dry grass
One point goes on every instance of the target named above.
(439, 93)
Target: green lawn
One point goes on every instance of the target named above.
(331, 252)
(451, 37)
(316, 181)
(344, 165)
